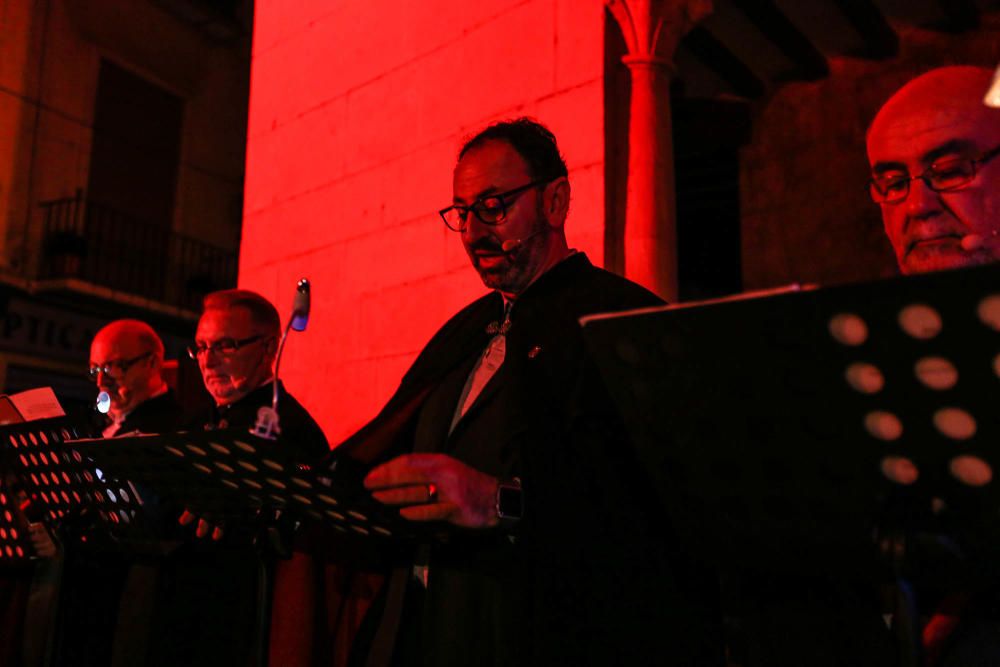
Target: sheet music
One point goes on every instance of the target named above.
(38, 403)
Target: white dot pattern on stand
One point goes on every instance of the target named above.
(955, 423)
(883, 425)
(848, 329)
(971, 470)
(936, 373)
(920, 321)
(900, 470)
(865, 378)
(989, 311)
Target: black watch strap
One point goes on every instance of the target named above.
(510, 502)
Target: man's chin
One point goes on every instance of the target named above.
(941, 257)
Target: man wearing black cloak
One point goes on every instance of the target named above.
(552, 549)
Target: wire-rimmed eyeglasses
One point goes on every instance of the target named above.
(942, 176)
(115, 367)
(490, 210)
(222, 347)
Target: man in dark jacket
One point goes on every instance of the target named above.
(98, 607)
(934, 152)
(547, 546)
(210, 611)
(126, 361)
(235, 345)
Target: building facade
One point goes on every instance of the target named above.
(121, 173)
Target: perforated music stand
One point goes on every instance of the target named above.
(231, 475)
(15, 544)
(771, 449)
(72, 492)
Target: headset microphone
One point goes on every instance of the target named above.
(103, 402)
(511, 246)
(972, 242)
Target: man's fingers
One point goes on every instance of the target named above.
(407, 495)
(433, 512)
(186, 518)
(202, 529)
(217, 533)
(397, 472)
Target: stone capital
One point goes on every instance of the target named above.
(653, 28)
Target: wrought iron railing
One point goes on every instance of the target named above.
(95, 243)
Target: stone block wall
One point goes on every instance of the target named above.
(357, 111)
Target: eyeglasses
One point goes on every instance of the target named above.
(942, 176)
(115, 367)
(491, 209)
(223, 347)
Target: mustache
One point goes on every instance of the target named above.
(486, 245)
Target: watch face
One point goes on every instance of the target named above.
(510, 502)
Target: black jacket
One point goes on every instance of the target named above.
(593, 575)
(161, 414)
(299, 431)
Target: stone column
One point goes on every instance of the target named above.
(652, 30)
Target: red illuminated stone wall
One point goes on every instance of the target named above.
(357, 110)
(806, 214)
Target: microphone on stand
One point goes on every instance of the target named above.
(268, 424)
(300, 306)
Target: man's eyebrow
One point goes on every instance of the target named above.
(880, 168)
(955, 146)
(492, 190)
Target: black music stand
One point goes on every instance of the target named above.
(232, 475)
(845, 431)
(769, 426)
(75, 495)
(15, 544)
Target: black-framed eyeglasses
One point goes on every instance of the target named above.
(942, 176)
(223, 347)
(115, 367)
(490, 210)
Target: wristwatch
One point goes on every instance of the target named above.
(510, 502)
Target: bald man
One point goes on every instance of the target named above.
(97, 604)
(126, 360)
(932, 150)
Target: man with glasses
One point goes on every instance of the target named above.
(96, 602)
(932, 149)
(207, 609)
(126, 361)
(235, 345)
(549, 547)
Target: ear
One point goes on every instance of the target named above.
(271, 349)
(556, 202)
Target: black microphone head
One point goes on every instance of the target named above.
(300, 306)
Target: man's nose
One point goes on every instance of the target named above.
(209, 358)
(922, 202)
(475, 229)
(104, 380)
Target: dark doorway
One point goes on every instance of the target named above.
(136, 149)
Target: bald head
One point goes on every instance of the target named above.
(939, 120)
(128, 356)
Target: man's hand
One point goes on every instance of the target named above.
(203, 528)
(41, 542)
(435, 487)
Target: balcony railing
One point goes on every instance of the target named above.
(97, 244)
